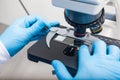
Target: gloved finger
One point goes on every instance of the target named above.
(99, 48)
(30, 20)
(114, 51)
(49, 25)
(43, 32)
(36, 28)
(52, 24)
(38, 36)
(27, 21)
(83, 55)
(61, 71)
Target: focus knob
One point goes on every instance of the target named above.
(69, 51)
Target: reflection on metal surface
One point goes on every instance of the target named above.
(88, 38)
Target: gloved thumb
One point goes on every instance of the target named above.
(38, 29)
(83, 54)
(61, 71)
(53, 24)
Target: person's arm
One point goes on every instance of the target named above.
(21, 32)
(4, 55)
(104, 64)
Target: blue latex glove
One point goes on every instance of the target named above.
(103, 64)
(24, 30)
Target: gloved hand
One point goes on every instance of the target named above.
(24, 30)
(103, 64)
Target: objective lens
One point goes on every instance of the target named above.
(81, 21)
(80, 31)
(96, 29)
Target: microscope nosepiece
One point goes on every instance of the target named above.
(81, 22)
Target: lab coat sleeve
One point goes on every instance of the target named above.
(4, 54)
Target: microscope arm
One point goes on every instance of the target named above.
(91, 7)
(94, 2)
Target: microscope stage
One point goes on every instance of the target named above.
(58, 50)
(40, 52)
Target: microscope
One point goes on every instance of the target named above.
(62, 43)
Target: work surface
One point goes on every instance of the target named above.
(19, 67)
